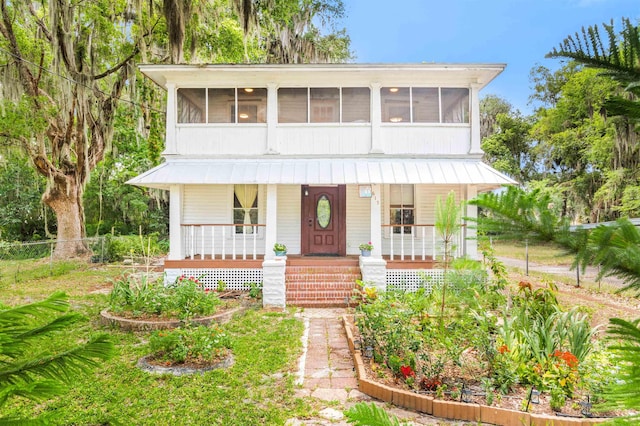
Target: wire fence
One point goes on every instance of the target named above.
(16, 259)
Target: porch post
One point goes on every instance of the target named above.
(376, 119)
(471, 241)
(175, 219)
(272, 119)
(374, 268)
(376, 221)
(475, 119)
(273, 268)
(170, 143)
(175, 232)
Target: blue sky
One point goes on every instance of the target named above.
(516, 32)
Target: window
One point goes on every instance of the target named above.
(401, 208)
(191, 105)
(396, 107)
(292, 105)
(228, 105)
(424, 105)
(245, 207)
(324, 105)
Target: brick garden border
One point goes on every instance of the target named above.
(451, 410)
(129, 324)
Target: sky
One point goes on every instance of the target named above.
(517, 33)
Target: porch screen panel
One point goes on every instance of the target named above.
(402, 207)
(324, 104)
(395, 105)
(356, 105)
(455, 105)
(292, 105)
(191, 105)
(426, 105)
(252, 105)
(222, 105)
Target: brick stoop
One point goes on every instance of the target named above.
(320, 286)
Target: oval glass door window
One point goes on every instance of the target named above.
(323, 212)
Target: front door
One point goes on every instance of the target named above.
(323, 220)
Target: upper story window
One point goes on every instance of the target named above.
(324, 105)
(229, 105)
(424, 105)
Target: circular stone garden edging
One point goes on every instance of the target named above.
(450, 409)
(130, 324)
(144, 365)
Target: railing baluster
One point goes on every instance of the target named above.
(224, 242)
(391, 243)
(191, 232)
(244, 243)
(402, 243)
(433, 238)
(202, 241)
(213, 241)
(233, 241)
(413, 244)
(424, 242)
(255, 236)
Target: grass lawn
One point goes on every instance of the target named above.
(258, 389)
(545, 254)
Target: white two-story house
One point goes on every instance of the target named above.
(320, 158)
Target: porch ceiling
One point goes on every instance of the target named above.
(323, 171)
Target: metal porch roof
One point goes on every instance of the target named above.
(323, 171)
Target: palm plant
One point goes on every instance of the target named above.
(447, 225)
(27, 372)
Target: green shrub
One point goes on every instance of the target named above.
(190, 344)
(118, 248)
(185, 298)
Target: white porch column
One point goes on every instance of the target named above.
(272, 119)
(170, 147)
(472, 236)
(376, 119)
(374, 268)
(271, 222)
(376, 221)
(475, 119)
(273, 268)
(175, 219)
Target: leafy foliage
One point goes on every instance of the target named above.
(39, 375)
(363, 414)
(193, 344)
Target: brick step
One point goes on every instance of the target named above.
(314, 294)
(325, 278)
(318, 304)
(305, 270)
(321, 286)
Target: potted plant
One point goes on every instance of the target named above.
(365, 249)
(280, 249)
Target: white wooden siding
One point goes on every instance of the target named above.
(314, 139)
(221, 139)
(425, 139)
(289, 214)
(358, 219)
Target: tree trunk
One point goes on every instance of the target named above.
(64, 196)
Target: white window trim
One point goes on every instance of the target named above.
(262, 193)
(386, 203)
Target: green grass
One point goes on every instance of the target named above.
(545, 254)
(258, 389)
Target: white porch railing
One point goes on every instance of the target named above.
(222, 241)
(421, 242)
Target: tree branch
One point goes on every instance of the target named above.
(117, 67)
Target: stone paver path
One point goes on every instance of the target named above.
(327, 373)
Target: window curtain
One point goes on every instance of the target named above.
(247, 195)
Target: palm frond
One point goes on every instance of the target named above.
(624, 393)
(363, 414)
(62, 367)
(57, 302)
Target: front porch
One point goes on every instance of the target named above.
(308, 281)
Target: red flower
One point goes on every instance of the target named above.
(407, 371)
(502, 349)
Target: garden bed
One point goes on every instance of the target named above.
(149, 324)
(448, 409)
(479, 344)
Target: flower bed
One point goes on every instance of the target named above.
(475, 346)
(140, 305)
